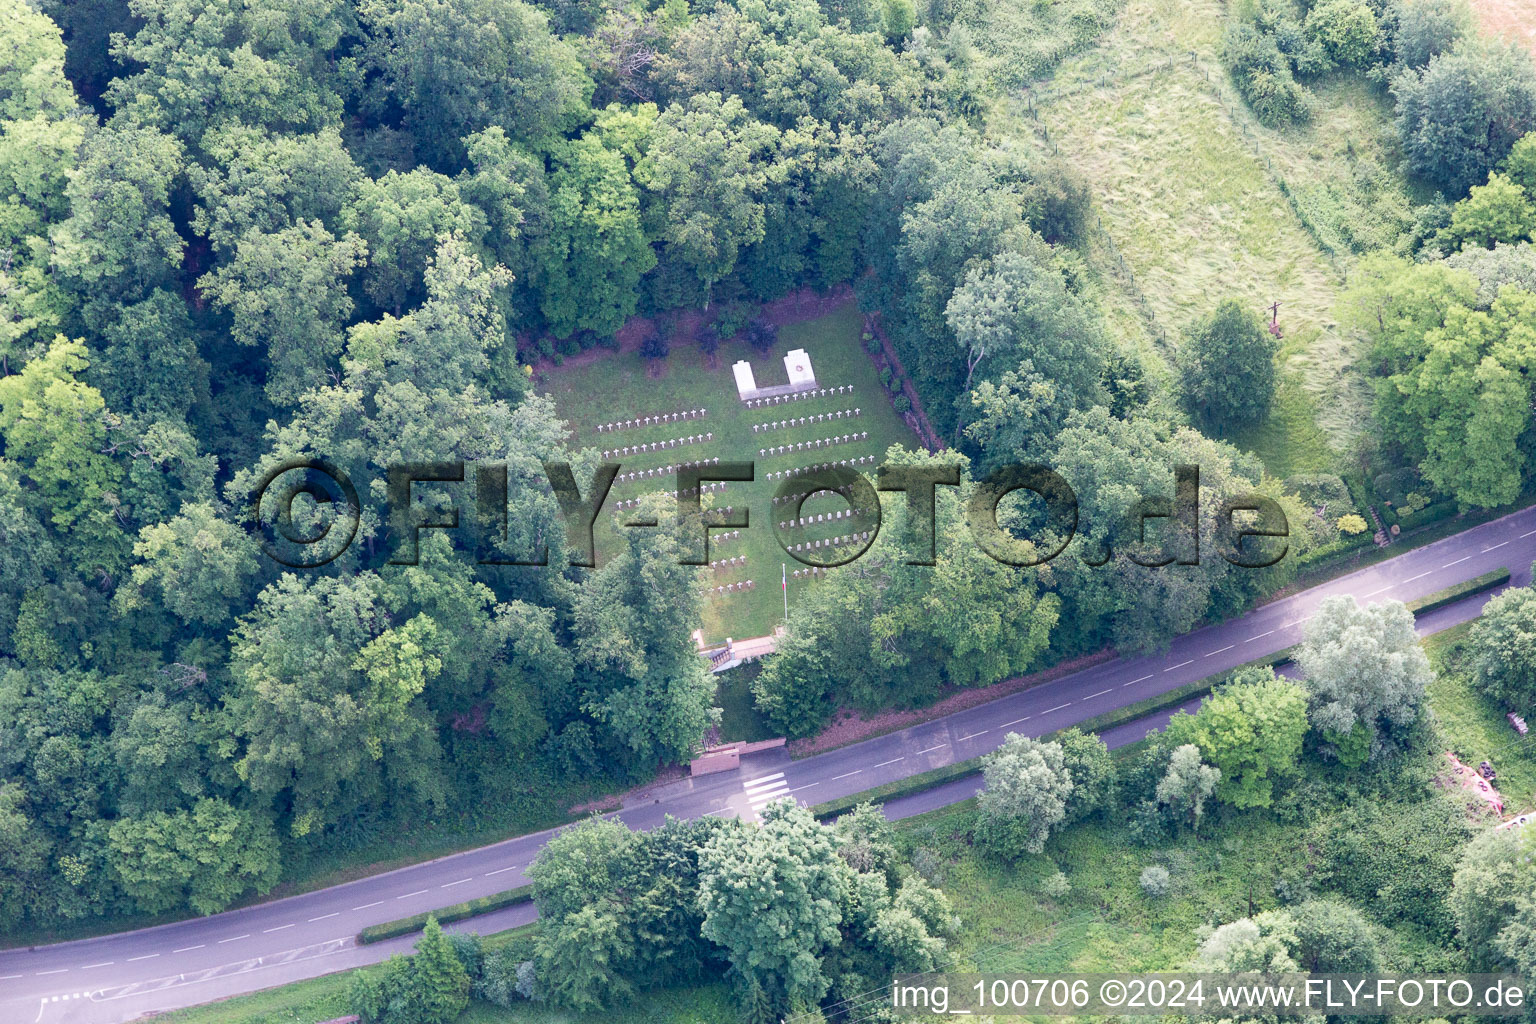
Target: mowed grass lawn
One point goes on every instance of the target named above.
(618, 386)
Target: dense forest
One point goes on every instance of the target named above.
(235, 235)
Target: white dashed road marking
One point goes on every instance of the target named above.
(1016, 721)
(1099, 694)
(188, 949)
(418, 892)
(1458, 561)
(893, 760)
(449, 885)
(107, 963)
(973, 735)
(1181, 664)
(1207, 654)
(146, 956)
(930, 750)
(1140, 679)
(847, 775)
(499, 871)
(237, 938)
(325, 917)
(1381, 590)
(365, 906)
(1058, 707)
(1261, 636)
(1495, 547)
(1420, 576)
(269, 931)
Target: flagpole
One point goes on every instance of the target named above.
(784, 583)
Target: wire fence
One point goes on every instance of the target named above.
(1029, 102)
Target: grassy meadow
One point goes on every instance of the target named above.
(1200, 201)
(613, 386)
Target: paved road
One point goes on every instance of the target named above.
(120, 977)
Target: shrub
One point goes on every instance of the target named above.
(1352, 524)
(762, 333)
(733, 316)
(901, 403)
(656, 344)
(929, 865)
(1264, 77)
(1155, 881)
(1346, 30)
(1055, 885)
(1056, 202)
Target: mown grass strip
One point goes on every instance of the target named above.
(456, 912)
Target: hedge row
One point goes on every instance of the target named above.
(456, 912)
(1098, 723)
(1450, 595)
(1430, 513)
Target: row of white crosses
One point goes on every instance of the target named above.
(800, 446)
(647, 474)
(656, 446)
(758, 403)
(726, 563)
(634, 502)
(788, 473)
(716, 538)
(846, 491)
(800, 421)
(831, 542)
(822, 517)
(651, 421)
(731, 588)
(815, 570)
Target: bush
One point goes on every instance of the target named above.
(1055, 885)
(1346, 30)
(1352, 524)
(901, 403)
(499, 981)
(1056, 202)
(731, 318)
(762, 334)
(1155, 881)
(1264, 77)
(656, 344)
(929, 865)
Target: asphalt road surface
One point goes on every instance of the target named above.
(121, 977)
